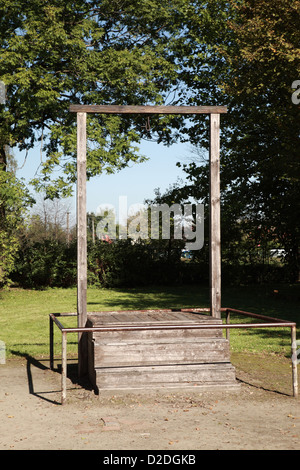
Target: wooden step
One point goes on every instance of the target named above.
(167, 352)
(177, 356)
(205, 376)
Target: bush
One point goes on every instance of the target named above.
(51, 263)
(138, 264)
(47, 263)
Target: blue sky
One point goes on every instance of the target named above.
(137, 182)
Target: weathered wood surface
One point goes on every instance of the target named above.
(169, 351)
(215, 262)
(156, 335)
(138, 317)
(206, 376)
(157, 357)
(150, 318)
(214, 217)
(115, 109)
(81, 242)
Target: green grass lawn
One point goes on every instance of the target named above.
(24, 314)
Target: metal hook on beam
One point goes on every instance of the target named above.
(147, 126)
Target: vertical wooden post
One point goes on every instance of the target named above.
(214, 217)
(81, 242)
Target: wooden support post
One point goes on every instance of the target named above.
(81, 242)
(215, 237)
(214, 217)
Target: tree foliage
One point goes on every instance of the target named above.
(249, 61)
(14, 201)
(239, 53)
(55, 53)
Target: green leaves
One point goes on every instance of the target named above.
(245, 55)
(14, 200)
(57, 53)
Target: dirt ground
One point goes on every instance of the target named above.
(258, 417)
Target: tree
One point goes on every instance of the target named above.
(249, 61)
(55, 53)
(267, 37)
(15, 198)
(49, 220)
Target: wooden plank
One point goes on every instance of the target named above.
(133, 318)
(214, 217)
(187, 316)
(102, 319)
(161, 353)
(139, 336)
(81, 242)
(115, 109)
(141, 317)
(158, 317)
(206, 376)
(157, 321)
(154, 336)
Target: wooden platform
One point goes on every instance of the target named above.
(177, 356)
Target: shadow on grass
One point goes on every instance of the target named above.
(72, 375)
(264, 372)
(250, 383)
(154, 298)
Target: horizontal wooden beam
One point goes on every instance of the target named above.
(114, 109)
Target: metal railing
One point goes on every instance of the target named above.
(269, 322)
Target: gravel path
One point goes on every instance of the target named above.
(33, 419)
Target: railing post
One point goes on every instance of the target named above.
(227, 323)
(51, 342)
(64, 367)
(294, 361)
